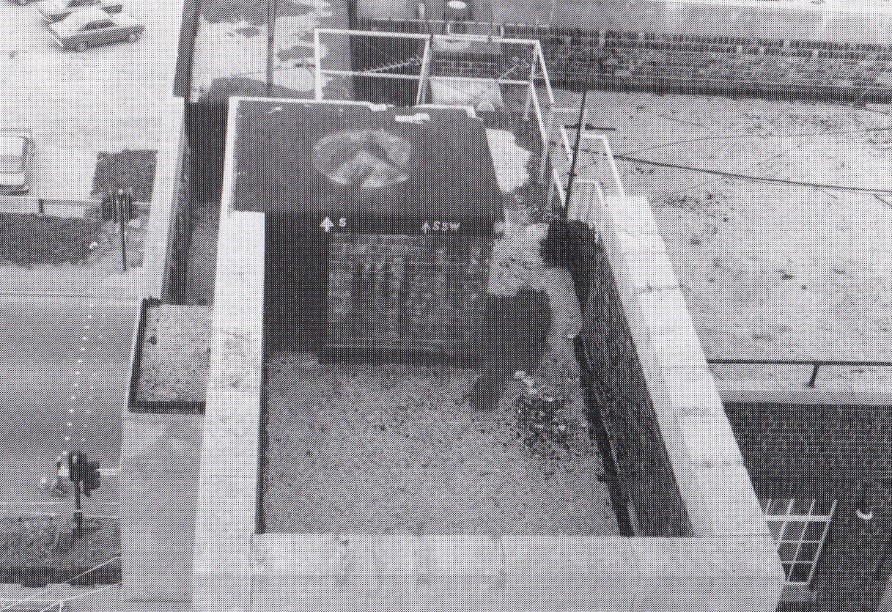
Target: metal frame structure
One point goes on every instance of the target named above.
(600, 174)
(786, 516)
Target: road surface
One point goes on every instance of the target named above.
(62, 360)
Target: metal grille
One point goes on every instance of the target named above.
(396, 292)
(799, 527)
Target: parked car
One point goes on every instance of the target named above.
(16, 161)
(55, 10)
(91, 27)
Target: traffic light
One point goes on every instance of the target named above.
(91, 477)
(82, 471)
(76, 463)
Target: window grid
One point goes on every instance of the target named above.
(798, 529)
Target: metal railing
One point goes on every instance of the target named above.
(541, 105)
(816, 364)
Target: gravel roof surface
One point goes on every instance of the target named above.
(175, 353)
(401, 449)
(407, 448)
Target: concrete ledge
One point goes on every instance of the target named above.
(227, 505)
(699, 441)
(165, 195)
(320, 571)
(712, 442)
(631, 215)
(158, 487)
(647, 266)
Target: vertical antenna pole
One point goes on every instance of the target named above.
(579, 128)
(582, 111)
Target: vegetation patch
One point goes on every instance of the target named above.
(126, 170)
(28, 240)
(36, 551)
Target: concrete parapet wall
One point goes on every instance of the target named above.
(541, 573)
(620, 400)
(700, 445)
(227, 495)
(699, 441)
(730, 563)
(160, 233)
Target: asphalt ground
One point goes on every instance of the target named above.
(62, 361)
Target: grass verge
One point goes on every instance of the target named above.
(126, 169)
(36, 551)
(27, 240)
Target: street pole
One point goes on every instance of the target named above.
(271, 10)
(579, 127)
(122, 206)
(78, 514)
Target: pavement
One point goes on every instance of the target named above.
(65, 331)
(77, 104)
(64, 362)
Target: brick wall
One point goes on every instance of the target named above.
(832, 452)
(618, 394)
(692, 64)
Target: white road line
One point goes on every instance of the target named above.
(50, 503)
(16, 296)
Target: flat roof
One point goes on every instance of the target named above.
(381, 170)
(401, 449)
